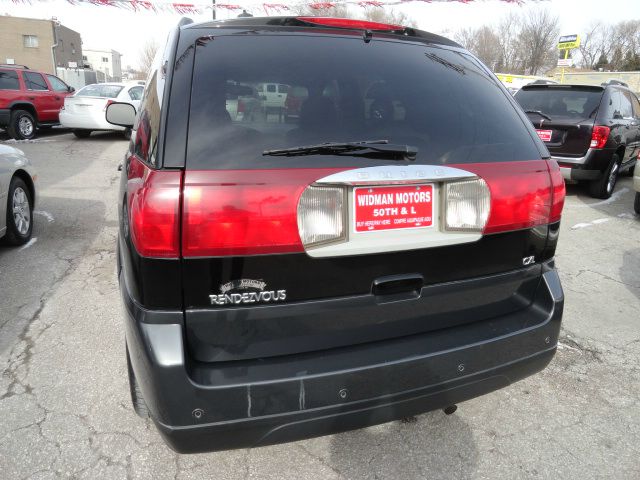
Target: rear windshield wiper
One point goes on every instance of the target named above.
(367, 148)
(543, 115)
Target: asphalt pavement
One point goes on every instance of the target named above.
(64, 400)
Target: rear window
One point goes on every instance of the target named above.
(98, 90)
(574, 103)
(9, 80)
(315, 89)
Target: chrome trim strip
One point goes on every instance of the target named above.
(395, 174)
(578, 160)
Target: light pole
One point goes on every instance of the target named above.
(213, 10)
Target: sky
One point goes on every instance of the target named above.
(104, 27)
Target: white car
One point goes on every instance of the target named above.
(84, 111)
(17, 196)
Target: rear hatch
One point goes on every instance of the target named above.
(91, 98)
(292, 251)
(563, 115)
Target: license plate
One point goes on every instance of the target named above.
(393, 208)
(545, 135)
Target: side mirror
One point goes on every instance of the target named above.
(71, 89)
(617, 115)
(121, 114)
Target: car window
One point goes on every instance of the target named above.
(636, 104)
(57, 84)
(342, 90)
(100, 90)
(34, 81)
(629, 107)
(626, 110)
(573, 103)
(9, 80)
(135, 93)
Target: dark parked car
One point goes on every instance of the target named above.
(296, 277)
(593, 132)
(29, 100)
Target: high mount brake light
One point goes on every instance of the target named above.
(599, 136)
(349, 23)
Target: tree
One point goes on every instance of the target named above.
(482, 42)
(508, 32)
(540, 32)
(382, 15)
(147, 54)
(520, 43)
(594, 44)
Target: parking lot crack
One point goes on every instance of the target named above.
(322, 461)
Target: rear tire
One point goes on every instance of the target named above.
(636, 204)
(22, 125)
(139, 405)
(603, 187)
(82, 133)
(19, 213)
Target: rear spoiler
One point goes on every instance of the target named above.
(557, 86)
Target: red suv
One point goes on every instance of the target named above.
(29, 100)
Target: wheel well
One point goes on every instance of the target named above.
(26, 106)
(26, 178)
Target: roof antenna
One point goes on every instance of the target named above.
(367, 35)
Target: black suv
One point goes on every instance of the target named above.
(593, 132)
(387, 251)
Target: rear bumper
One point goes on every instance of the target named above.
(86, 122)
(588, 167)
(245, 404)
(5, 115)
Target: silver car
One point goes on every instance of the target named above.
(17, 196)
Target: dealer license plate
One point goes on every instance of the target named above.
(393, 208)
(545, 135)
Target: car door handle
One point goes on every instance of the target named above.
(31, 98)
(57, 98)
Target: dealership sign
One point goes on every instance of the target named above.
(567, 42)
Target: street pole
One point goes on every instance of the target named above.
(566, 55)
(213, 2)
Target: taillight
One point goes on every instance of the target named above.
(109, 102)
(240, 106)
(466, 205)
(599, 136)
(521, 194)
(245, 212)
(154, 210)
(559, 191)
(350, 23)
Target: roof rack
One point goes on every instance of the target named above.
(13, 65)
(613, 81)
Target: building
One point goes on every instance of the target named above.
(40, 44)
(108, 62)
